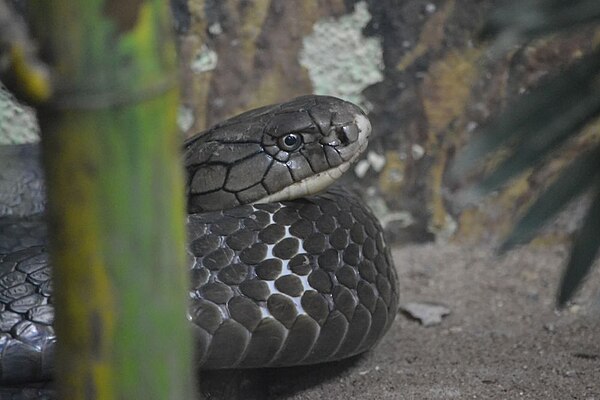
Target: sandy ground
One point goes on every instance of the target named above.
(502, 340)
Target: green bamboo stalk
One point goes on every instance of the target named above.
(115, 199)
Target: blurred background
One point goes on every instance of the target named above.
(438, 79)
(417, 67)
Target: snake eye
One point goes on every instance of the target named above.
(290, 142)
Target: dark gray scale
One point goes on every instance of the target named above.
(282, 308)
(32, 333)
(254, 253)
(384, 289)
(345, 301)
(18, 233)
(256, 191)
(329, 260)
(32, 264)
(287, 248)
(347, 276)
(269, 269)
(272, 233)
(290, 285)
(357, 233)
(202, 340)
(225, 226)
(43, 314)
(352, 255)
(379, 322)
(299, 167)
(256, 289)
(310, 211)
(320, 280)
(333, 332)
(316, 157)
(232, 336)
(369, 248)
(216, 292)
(266, 342)
(241, 239)
(333, 157)
(16, 292)
(208, 178)
(300, 264)
(277, 174)
(316, 243)
(220, 258)
(302, 229)
(20, 361)
(12, 278)
(326, 223)
(205, 314)
(345, 219)
(47, 289)
(199, 276)
(23, 304)
(8, 319)
(205, 244)
(257, 220)
(381, 262)
(358, 329)
(367, 271)
(40, 276)
(286, 216)
(299, 342)
(338, 239)
(226, 199)
(315, 305)
(245, 311)
(367, 295)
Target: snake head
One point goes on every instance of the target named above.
(274, 153)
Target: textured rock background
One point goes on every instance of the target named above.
(414, 65)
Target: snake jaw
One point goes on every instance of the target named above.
(320, 181)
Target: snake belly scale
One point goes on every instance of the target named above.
(280, 275)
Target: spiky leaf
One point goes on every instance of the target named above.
(530, 18)
(539, 121)
(583, 252)
(579, 176)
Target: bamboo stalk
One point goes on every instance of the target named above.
(115, 200)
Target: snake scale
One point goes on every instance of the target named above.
(274, 281)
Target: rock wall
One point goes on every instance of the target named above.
(416, 66)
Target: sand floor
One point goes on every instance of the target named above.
(502, 340)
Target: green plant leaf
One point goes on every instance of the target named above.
(583, 252)
(538, 121)
(546, 137)
(578, 176)
(531, 18)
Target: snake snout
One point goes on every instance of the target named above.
(341, 135)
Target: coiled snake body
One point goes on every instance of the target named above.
(274, 282)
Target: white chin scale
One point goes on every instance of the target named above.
(316, 183)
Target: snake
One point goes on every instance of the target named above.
(286, 267)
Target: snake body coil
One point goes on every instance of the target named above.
(274, 282)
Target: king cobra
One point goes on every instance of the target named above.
(280, 275)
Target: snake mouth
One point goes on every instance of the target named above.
(320, 181)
